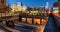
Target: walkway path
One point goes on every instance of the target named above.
(50, 26)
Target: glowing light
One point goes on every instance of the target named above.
(36, 21)
(24, 7)
(47, 4)
(55, 11)
(29, 20)
(23, 19)
(43, 21)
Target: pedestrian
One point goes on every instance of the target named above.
(11, 23)
(7, 23)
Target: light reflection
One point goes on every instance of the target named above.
(23, 19)
(36, 21)
(29, 20)
(43, 21)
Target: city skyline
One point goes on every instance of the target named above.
(35, 3)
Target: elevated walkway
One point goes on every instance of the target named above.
(51, 24)
(57, 21)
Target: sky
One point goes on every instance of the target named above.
(30, 3)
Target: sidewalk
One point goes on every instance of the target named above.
(17, 28)
(2, 29)
(10, 29)
(50, 26)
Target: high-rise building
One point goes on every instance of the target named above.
(47, 9)
(47, 5)
(2, 4)
(57, 4)
(33, 8)
(19, 4)
(42, 8)
(24, 7)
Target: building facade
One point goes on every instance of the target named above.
(57, 4)
(2, 4)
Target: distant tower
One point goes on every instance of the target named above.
(2, 4)
(24, 7)
(47, 8)
(20, 3)
(47, 5)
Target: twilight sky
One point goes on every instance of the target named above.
(35, 3)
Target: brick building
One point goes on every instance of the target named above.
(2, 5)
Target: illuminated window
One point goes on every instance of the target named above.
(23, 19)
(29, 20)
(36, 21)
(56, 10)
(43, 21)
